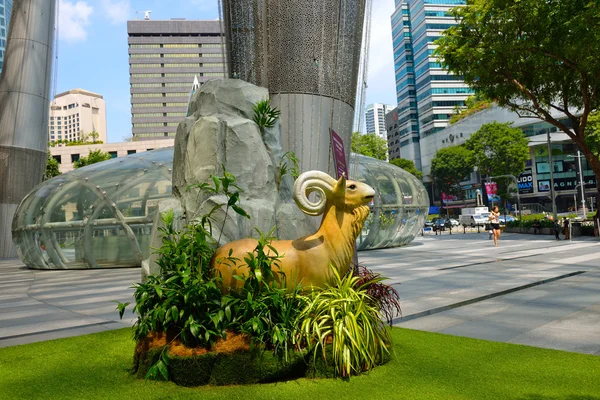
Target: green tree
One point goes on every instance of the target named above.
(93, 137)
(94, 156)
(499, 149)
(593, 136)
(369, 145)
(535, 57)
(408, 166)
(451, 166)
(51, 168)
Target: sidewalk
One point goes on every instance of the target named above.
(531, 290)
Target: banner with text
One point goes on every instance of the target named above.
(491, 188)
(339, 155)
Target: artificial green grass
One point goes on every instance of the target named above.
(426, 366)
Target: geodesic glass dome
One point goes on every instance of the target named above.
(400, 206)
(101, 216)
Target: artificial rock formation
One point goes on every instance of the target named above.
(220, 131)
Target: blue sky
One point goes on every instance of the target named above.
(92, 50)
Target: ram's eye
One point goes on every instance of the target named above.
(352, 187)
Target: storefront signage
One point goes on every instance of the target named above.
(565, 183)
(525, 182)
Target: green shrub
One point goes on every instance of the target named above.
(348, 318)
(385, 297)
(265, 115)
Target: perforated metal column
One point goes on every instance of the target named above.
(307, 54)
(24, 101)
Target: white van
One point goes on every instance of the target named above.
(474, 219)
(474, 216)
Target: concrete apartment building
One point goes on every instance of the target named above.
(67, 155)
(76, 113)
(375, 118)
(164, 58)
(5, 13)
(427, 94)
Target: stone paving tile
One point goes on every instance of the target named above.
(36, 327)
(563, 339)
(77, 331)
(486, 330)
(432, 323)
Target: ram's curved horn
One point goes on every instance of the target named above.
(313, 181)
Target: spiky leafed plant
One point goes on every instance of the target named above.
(344, 316)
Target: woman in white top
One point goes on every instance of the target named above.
(494, 215)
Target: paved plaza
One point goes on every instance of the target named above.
(531, 290)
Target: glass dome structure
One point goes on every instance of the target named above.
(400, 206)
(101, 216)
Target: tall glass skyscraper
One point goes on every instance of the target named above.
(5, 12)
(427, 94)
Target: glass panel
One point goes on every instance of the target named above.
(101, 215)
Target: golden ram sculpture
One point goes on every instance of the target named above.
(307, 260)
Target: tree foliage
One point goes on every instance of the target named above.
(51, 168)
(499, 149)
(473, 104)
(451, 166)
(408, 166)
(94, 156)
(593, 135)
(370, 145)
(536, 57)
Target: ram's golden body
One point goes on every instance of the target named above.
(307, 260)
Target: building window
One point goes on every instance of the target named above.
(131, 152)
(74, 157)
(113, 154)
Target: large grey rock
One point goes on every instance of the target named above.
(149, 265)
(220, 133)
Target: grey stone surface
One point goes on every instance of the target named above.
(567, 309)
(220, 132)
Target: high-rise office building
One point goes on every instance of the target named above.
(75, 114)
(5, 12)
(427, 94)
(375, 118)
(164, 58)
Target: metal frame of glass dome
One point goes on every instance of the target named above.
(102, 230)
(400, 206)
(101, 216)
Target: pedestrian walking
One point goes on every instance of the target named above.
(494, 221)
(556, 229)
(566, 229)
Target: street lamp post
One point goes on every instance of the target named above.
(551, 167)
(578, 157)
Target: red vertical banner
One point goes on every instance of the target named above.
(339, 155)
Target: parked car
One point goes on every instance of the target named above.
(454, 222)
(428, 224)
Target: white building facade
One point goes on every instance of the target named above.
(75, 114)
(67, 155)
(375, 118)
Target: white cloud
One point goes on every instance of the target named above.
(117, 11)
(380, 80)
(73, 19)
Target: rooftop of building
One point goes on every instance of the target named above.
(79, 91)
(173, 26)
